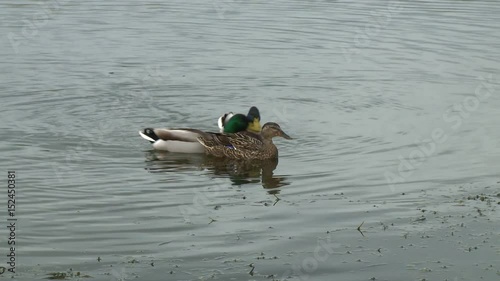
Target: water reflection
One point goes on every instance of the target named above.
(240, 172)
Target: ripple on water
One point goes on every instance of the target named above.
(94, 74)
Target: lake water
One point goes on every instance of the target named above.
(393, 106)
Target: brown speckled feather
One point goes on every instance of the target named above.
(243, 145)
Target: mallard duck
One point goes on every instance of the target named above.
(245, 144)
(181, 140)
(240, 122)
(185, 140)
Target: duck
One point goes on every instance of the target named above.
(240, 122)
(182, 140)
(185, 140)
(245, 144)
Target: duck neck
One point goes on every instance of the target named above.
(268, 141)
(270, 148)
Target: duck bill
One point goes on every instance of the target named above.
(284, 135)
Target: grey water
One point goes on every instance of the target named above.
(393, 173)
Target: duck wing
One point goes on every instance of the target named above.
(210, 139)
(246, 141)
(178, 134)
(239, 141)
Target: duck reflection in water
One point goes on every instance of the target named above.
(240, 172)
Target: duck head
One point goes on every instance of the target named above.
(271, 130)
(253, 118)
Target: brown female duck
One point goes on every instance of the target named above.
(244, 145)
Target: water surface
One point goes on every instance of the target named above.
(393, 107)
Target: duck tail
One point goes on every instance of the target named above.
(149, 135)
